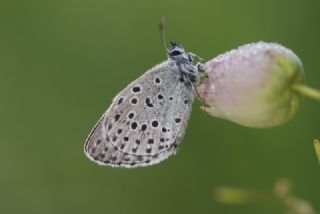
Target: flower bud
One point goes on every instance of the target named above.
(253, 85)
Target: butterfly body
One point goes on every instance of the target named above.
(147, 120)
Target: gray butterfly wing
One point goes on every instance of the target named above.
(145, 122)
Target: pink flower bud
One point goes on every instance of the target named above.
(253, 85)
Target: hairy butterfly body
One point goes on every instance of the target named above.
(147, 120)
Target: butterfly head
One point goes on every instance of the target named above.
(177, 53)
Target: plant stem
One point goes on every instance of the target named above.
(307, 91)
(317, 148)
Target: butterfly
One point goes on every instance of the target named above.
(146, 121)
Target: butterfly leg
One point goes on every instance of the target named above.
(191, 75)
(194, 56)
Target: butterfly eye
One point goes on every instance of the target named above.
(175, 53)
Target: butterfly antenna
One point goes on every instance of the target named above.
(161, 26)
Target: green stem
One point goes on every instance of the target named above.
(317, 148)
(307, 91)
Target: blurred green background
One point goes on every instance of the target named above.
(62, 62)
